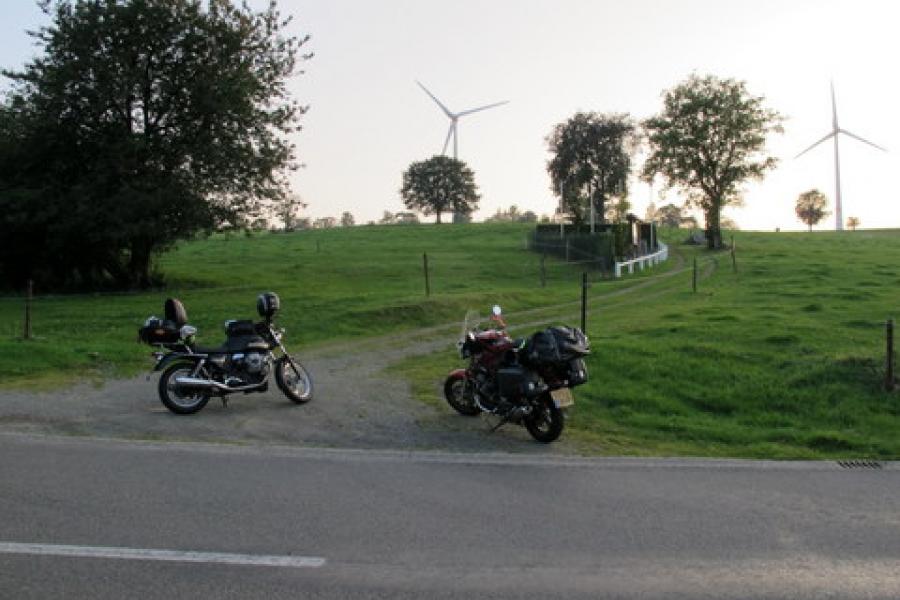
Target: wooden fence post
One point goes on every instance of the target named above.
(584, 288)
(694, 281)
(733, 257)
(29, 296)
(889, 382)
(543, 270)
(427, 283)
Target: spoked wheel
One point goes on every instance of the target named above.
(545, 422)
(294, 380)
(460, 397)
(178, 399)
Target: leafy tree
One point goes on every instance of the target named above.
(852, 223)
(512, 215)
(347, 219)
(618, 209)
(591, 161)
(440, 184)
(287, 208)
(387, 218)
(406, 218)
(141, 123)
(709, 138)
(669, 215)
(810, 207)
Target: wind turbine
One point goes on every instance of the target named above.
(454, 118)
(835, 130)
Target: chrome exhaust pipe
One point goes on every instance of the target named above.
(208, 384)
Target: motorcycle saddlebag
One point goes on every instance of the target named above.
(541, 349)
(515, 382)
(159, 331)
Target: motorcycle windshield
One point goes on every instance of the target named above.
(471, 322)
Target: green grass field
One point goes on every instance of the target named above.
(334, 284)
(783, 359)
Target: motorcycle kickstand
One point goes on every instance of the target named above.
(224, 401)
(503, 421)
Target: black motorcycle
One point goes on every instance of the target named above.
(192, 374)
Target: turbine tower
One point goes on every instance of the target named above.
(835, 130)
(454, 118)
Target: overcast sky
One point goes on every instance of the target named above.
(368, 120)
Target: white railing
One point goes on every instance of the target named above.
(648, 259)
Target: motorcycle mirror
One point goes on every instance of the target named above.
(497, 311)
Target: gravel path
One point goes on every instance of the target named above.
(356, 404)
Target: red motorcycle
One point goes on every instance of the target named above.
(523, 381)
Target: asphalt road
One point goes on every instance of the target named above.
(381, 524)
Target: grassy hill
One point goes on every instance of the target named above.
(782, 359)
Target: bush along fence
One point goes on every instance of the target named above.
(609, 249)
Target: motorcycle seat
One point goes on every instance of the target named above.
(209, 350)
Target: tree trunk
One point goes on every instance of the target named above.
(438, 213)
(713, 230)
(139, 265)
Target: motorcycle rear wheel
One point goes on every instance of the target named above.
(297, 386)
(455, 393)
(545, 422)
(179, 400)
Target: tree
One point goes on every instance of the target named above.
(512, 215)
(406, 218)
(347, 219)
(709, 138)
(852, 223)
(618, 209)
(141, 123)
(591, 161)
(439, 184)
(387, 218)
(669, 215)
(287, 208)
(810, 207)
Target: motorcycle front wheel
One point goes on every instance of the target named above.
(545, 421)
(294, 381)
(459, 398)
(180, 400)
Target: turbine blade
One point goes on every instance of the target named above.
(834, 119)
(816, 144)
(472, 110)
(854, 136)
(447, 141)
(438, 102)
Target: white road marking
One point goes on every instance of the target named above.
(163, 555)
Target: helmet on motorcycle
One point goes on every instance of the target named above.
(267, 304)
